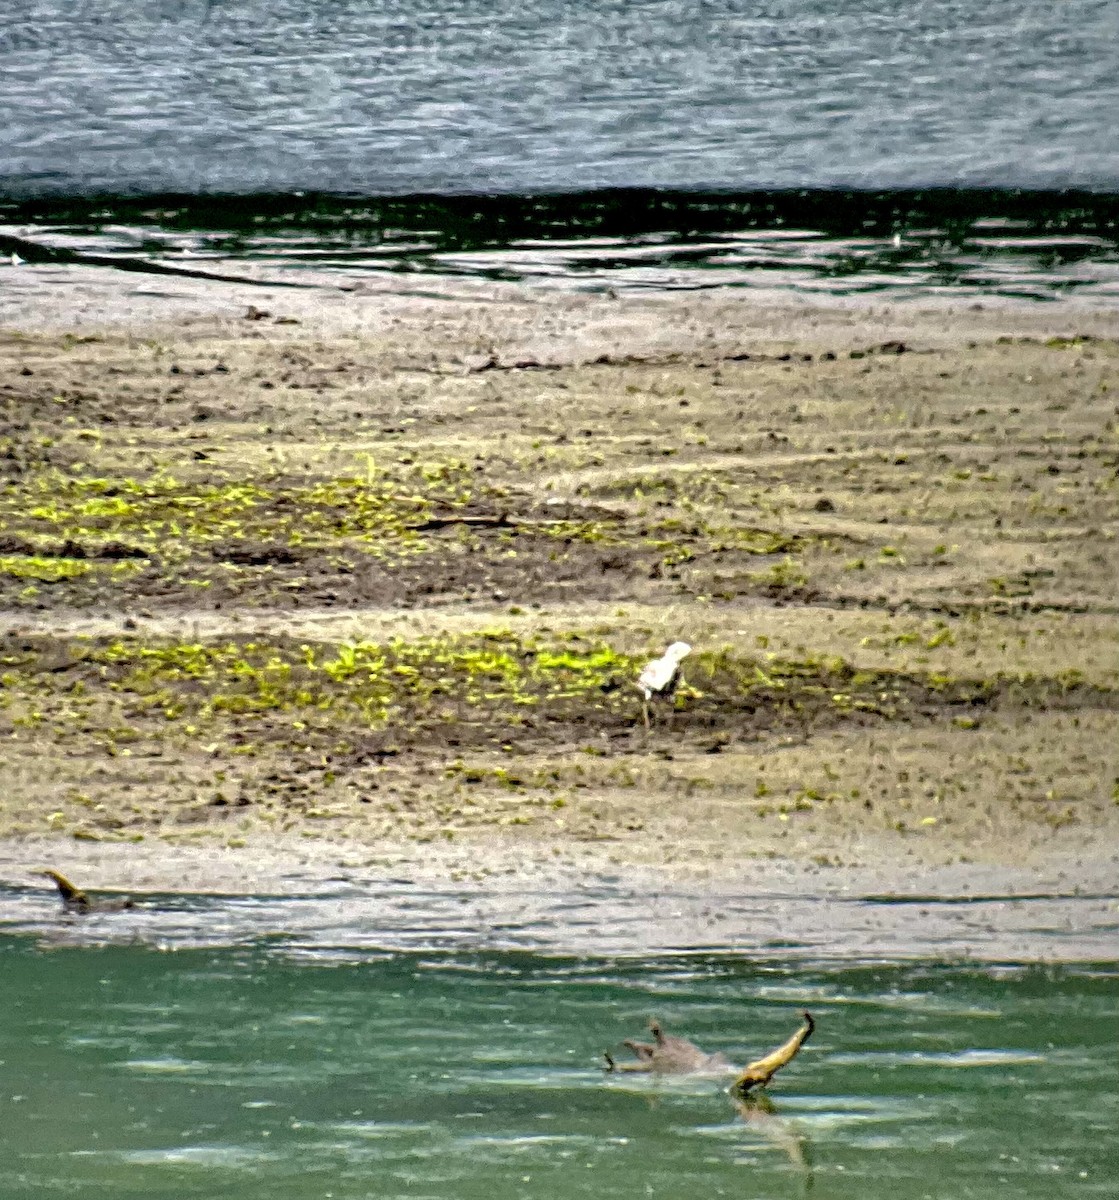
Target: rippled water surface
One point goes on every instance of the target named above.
(864, 148)
(503, 95)
(820, 245)
(430, 1058)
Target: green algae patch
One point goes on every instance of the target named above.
(440, 679)
(753, 540)
(165, 513)
(59, 568)
(42, 567)
(435, 694)
(418, 528)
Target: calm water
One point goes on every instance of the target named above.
(428, 1061)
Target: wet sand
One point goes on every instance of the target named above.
(889, 532)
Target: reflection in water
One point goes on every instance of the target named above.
(1021, 245)
(245, 1070)
(759, 1114)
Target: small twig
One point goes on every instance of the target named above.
(504, 521)
(499, 522)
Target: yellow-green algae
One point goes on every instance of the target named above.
(169, 516)
(494, 681)
(45, 568)
(164, 509)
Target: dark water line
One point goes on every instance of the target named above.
(477, 220)
(980, 898)
(1015, 243)
(38, 255)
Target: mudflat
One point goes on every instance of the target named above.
(374, 576)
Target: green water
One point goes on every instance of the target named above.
(266, 1071)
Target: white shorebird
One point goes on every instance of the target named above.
(662, 676)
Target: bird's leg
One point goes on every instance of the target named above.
(670, 694)
(645, 712)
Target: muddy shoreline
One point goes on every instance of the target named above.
(337, 899)
(365, 580)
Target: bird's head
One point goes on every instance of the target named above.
(677, 651)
